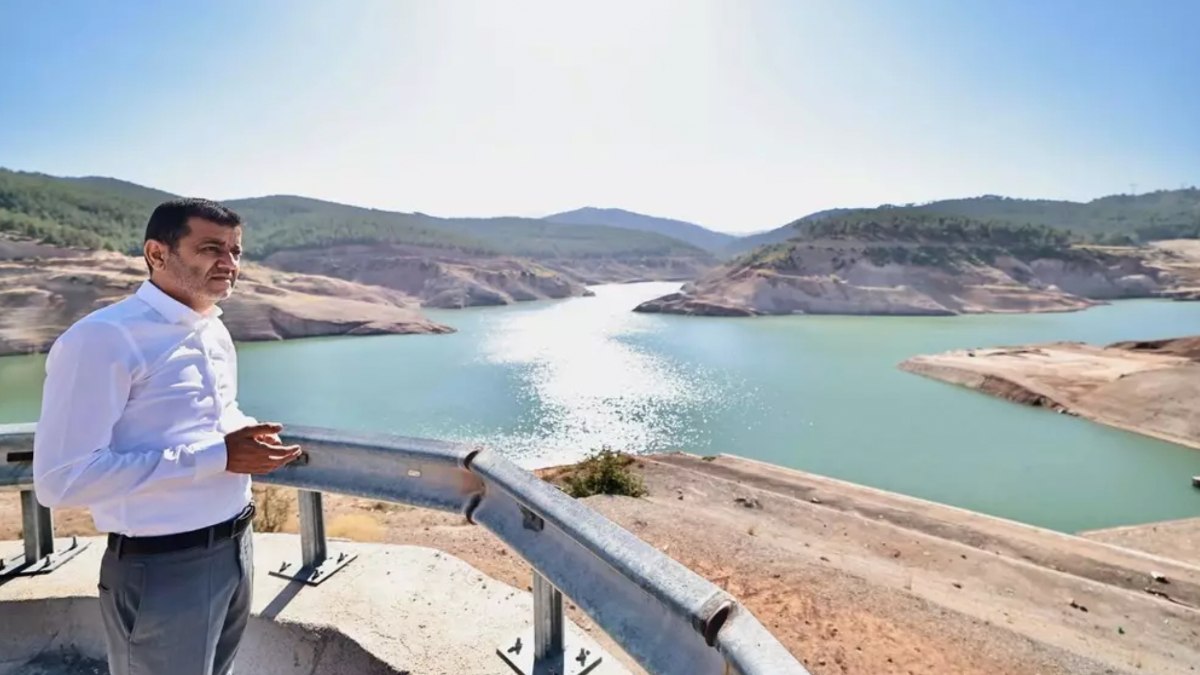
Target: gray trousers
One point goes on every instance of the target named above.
(178, 613)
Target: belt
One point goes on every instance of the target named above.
(167, 543)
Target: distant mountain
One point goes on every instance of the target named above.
(751, 242)
(694, 234)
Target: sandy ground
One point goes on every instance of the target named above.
(1178, 539)
(1182, 258)
(854, 580)
(1152, 390)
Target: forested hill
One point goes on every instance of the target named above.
(1116, 219)
(107, 213)
(913, 237)
(1165, 214)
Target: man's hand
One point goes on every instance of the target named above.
(257, 449)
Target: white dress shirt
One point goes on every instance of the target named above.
(138, 398)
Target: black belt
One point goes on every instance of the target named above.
(166, 543)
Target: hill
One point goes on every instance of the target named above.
(907, 262)
(1115, 219)
(779, 234)
(43, 290)
(1164, 214)
(82, 213)
(443, 261)
(691, 233)
(107, 213)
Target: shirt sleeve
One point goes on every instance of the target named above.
(89, 374)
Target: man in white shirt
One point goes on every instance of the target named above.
(140, 423)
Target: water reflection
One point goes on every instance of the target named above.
(590, 382)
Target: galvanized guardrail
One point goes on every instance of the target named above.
(665, 616)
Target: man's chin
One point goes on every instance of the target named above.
(218, 291)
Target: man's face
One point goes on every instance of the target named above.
(203, 268)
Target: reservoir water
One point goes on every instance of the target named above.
(545, 382)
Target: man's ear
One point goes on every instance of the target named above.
(155, 253)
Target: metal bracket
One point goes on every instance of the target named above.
(531, 520)
(544, 648)
(575, 659)
(313, 575)
(39, 556)
(316, 563)
(17, 565)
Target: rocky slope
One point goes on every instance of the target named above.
(1149, 387)
(434, 277)
(630, 270)
(836, 276)
(43, 290)
(1181, 259)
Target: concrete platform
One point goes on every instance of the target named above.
(395, 609)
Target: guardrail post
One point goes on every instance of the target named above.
(37, 526)
(312, 529)
(316, 563)
(545, 649)
(547, 621)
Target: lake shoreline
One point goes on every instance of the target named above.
(1144, 387)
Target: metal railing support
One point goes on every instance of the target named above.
(547, 620)
(546, 649)
(663, 615)
(37, 528)
(312, 528)
(316, 564)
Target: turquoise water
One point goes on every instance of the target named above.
(544, 382)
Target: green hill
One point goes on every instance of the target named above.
(108, 213)
(779, 234)
(914, 237)
(1165, 214)
(1116, 219)
(70, 212)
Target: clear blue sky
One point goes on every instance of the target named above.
(738, 115)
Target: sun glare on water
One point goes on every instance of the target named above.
(579, 362)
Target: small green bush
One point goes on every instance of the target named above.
(605, 472)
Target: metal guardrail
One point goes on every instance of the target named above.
(665, 616)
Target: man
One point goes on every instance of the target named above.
(140, 423)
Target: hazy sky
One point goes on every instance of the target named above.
(739, 115)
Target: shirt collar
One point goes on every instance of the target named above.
(171, 309)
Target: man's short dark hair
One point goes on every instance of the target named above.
(168, 223)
